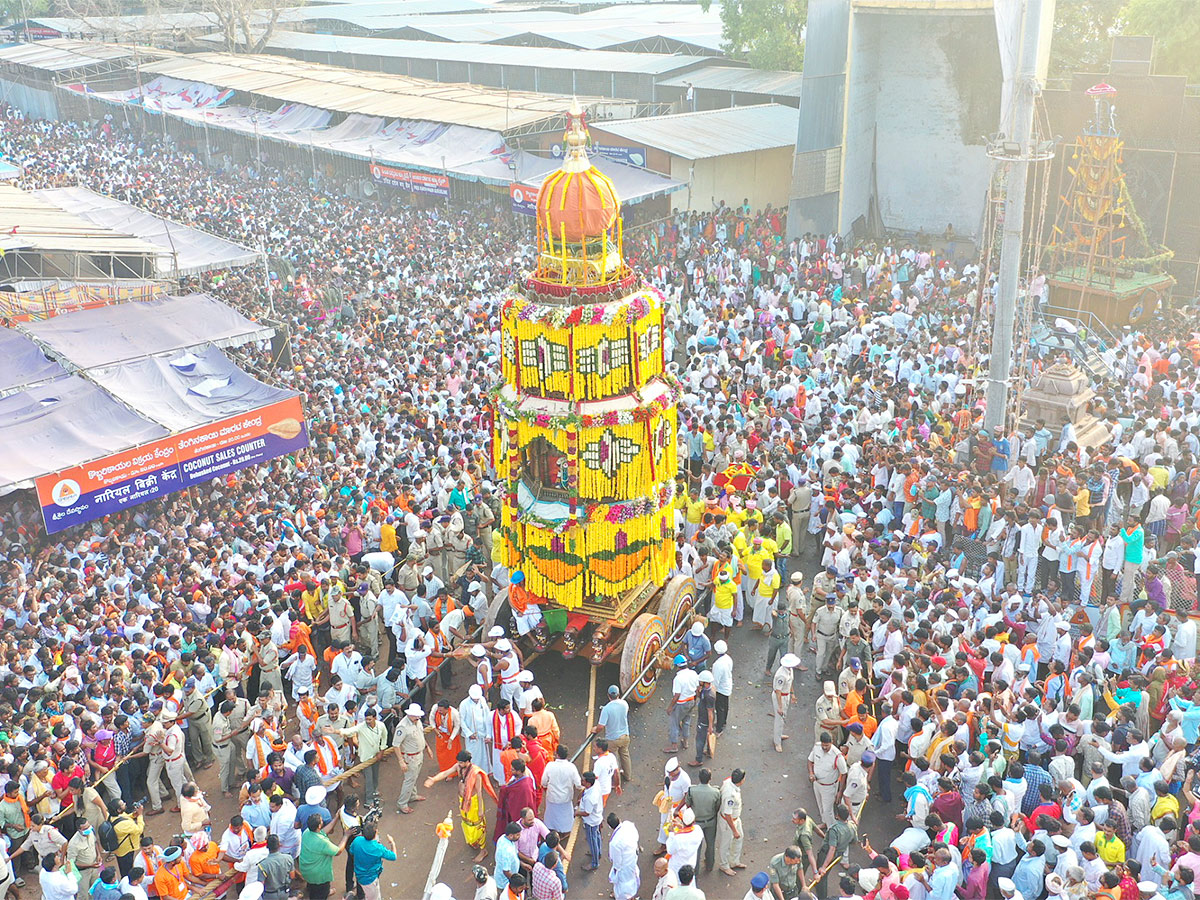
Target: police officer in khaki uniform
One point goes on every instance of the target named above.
(222, 738)
(705, 801)
(237, 717)
(268, 662)
(409, 741)
(797, 603)
(729, 824)
(200, 727)
(781, 696)
(826, 623)
(826, 770)
(800, 506)
(829, 711)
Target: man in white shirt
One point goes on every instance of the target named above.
(884, 742)
(606, 769)
(722, 670)
(58, 881)
(683, 701)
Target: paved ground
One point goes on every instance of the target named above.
(776, 783)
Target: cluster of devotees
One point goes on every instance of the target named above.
(997, 624)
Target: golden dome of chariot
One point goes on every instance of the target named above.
(578, 202)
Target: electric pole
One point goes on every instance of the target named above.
(1025, 92)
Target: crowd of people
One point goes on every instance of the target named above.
(999, 622)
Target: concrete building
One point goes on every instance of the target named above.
(896, 101)
(729, 155)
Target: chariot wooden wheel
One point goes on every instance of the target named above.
(498, 613)
(643, 643)
(675, 607)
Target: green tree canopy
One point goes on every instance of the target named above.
(1175, 26)
(764, 33)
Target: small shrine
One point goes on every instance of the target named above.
(1059, 395)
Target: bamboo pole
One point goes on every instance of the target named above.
(587, 758)
(825, 871)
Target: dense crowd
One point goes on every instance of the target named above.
(999, 621)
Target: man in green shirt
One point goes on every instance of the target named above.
(372, 740)
(805, 830)
(705, 801)
(784, 872)
(315, 862)
(838, 838)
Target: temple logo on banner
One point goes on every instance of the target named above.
(66, 492)
(417, 182)
(524, 199)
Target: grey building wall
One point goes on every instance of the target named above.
(912, 99)
(933, 83)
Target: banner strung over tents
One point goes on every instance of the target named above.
(417, 182)
(155, 469)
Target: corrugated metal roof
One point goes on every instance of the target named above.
(746, 81)
(382, 16)
(716, 132)
(496, 55)
(595, 29)
(30, 222)
(63, 54)
(369, 93)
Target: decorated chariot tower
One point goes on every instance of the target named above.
(585, 417)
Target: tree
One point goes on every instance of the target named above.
(1175, 26)
(17, 10)
(768, 34)
(246, 24)
(1083, 31)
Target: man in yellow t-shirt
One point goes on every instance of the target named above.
(693, 515)
(724, 596)
(387, 536)
(768, 586)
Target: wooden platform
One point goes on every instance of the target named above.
(623, 612)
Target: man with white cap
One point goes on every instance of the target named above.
(477, 599)
(781, 696)
(697, 646)
(1008, 890)
(509, 667)
(797, 604)
(828, 710)
(683, 840)
(675, 787)
(683, 700)
(722, 669)
(528, 693)
(484, 676)
(409, 741)
(475, 723)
